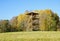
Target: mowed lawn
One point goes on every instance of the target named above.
(31, 36)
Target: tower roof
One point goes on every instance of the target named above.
(32, 13)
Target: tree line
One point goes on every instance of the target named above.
(49, 21)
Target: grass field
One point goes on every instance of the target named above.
(31, 36)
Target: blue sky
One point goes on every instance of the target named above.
(10, 8)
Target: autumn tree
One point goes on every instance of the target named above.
(58, 25)
(4, 26)
(48, 20)
(22, 22)
(13, 23)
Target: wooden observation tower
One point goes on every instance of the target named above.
(33, 21)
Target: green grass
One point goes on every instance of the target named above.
(31, 36)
